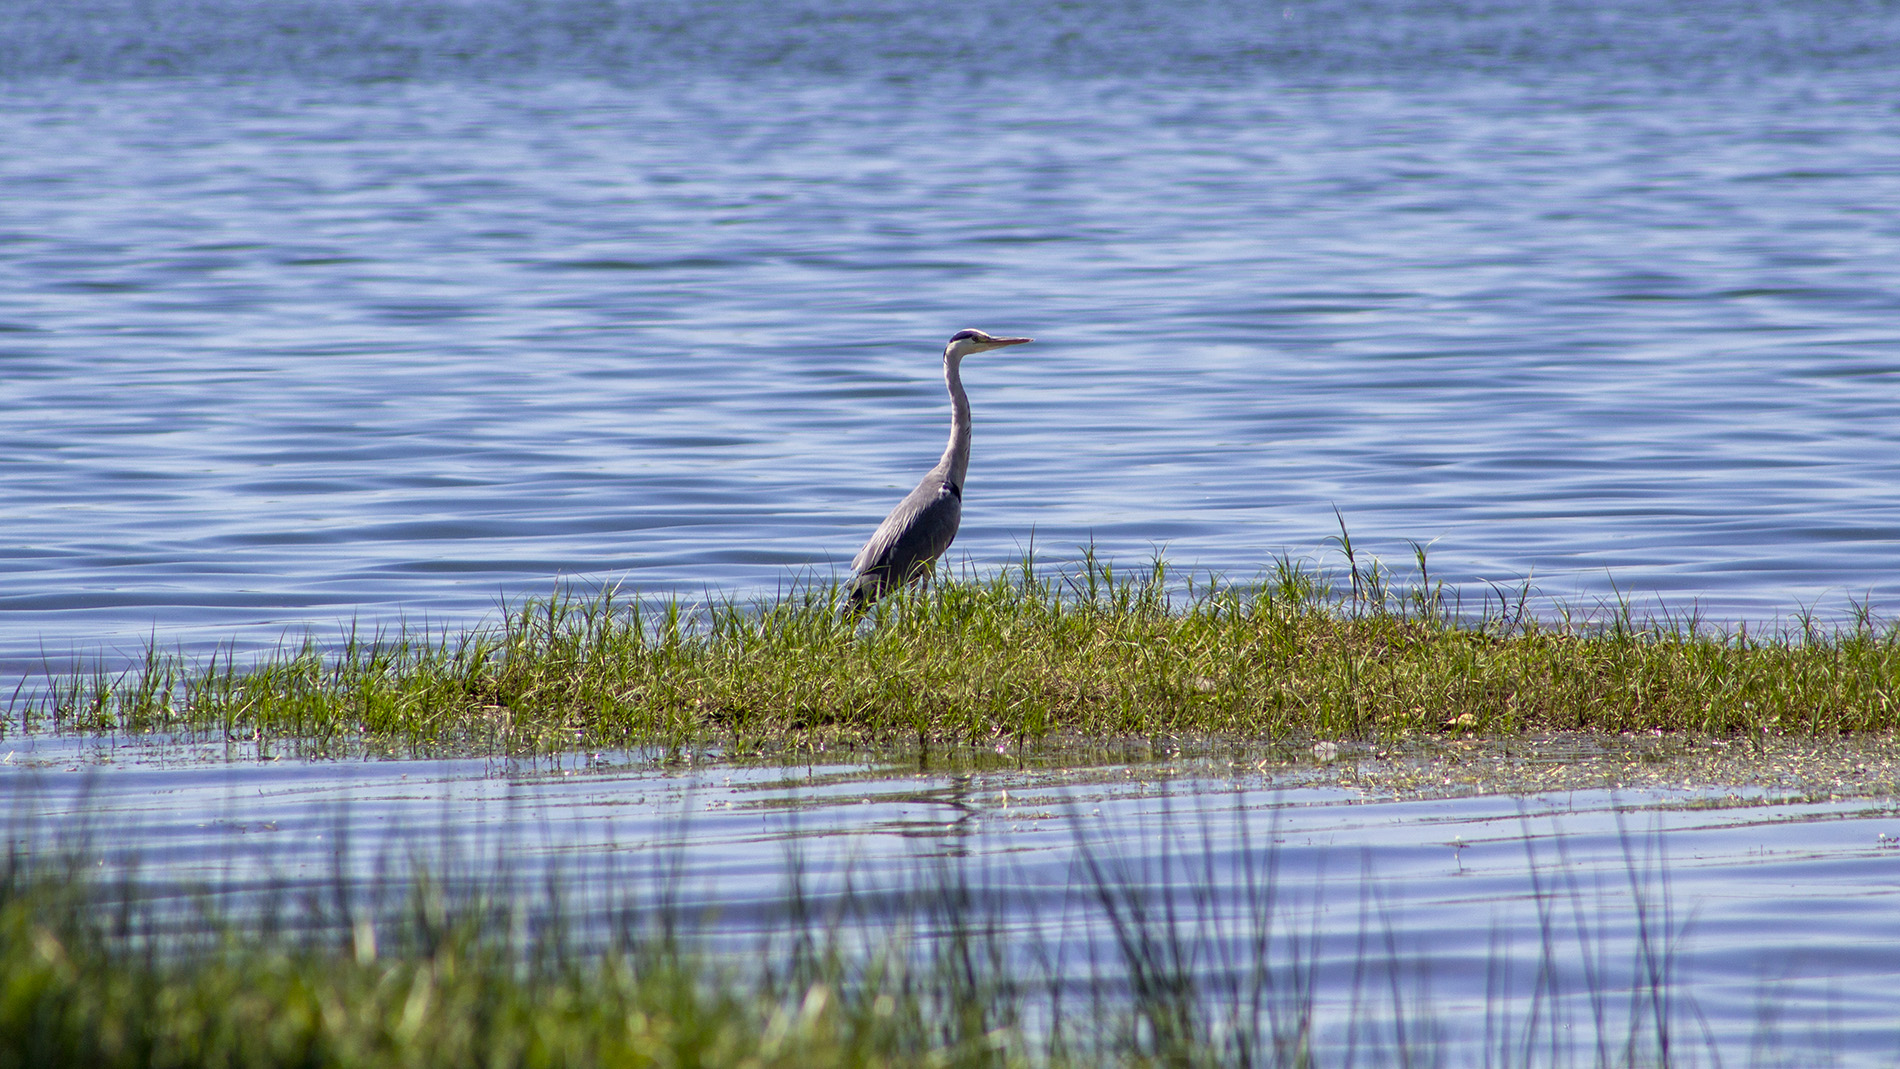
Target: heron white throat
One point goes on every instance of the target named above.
(922, 526)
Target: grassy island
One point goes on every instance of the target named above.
(1024, 655)
(440, 968)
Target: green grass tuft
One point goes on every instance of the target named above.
(1170, 961)
(1022, 655)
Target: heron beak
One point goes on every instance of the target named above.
(998, 343)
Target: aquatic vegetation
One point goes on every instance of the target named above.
(1006, 659)
(1173, 958)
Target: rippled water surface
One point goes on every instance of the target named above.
(386, 309)
(1776, 913)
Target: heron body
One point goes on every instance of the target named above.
(923, 525)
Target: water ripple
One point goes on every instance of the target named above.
(1614, 315)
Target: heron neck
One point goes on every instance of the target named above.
(956, 455)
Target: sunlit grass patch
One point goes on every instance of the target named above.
(1025, 654)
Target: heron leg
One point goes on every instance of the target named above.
(924, 575)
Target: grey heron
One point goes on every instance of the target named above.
(922, 525)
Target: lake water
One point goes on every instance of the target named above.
(389, 310)
(1779, 912)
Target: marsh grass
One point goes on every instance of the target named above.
(1085, 651)
(1194, 952)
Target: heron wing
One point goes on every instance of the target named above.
(916, 532)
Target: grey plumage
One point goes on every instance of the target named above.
(923, 525)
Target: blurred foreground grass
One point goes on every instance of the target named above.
(1026, 654)
(1189, 953)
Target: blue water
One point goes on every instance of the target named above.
(384, 310)
(1771, 913)
(314, 311)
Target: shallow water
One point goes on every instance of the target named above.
(388, 310)
(392, 309)
(1780, 912)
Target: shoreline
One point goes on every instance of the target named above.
(1090, 658)
(1732, 771)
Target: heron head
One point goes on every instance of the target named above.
(965, 342)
